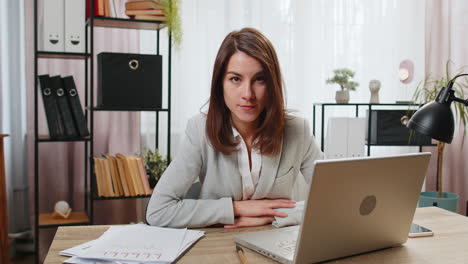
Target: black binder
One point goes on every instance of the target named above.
(50, 106)
(69, 130)
(75, 106)
(129, 81)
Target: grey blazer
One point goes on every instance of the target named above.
(220, 179)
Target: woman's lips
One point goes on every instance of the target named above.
(247, 107)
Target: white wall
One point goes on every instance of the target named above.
(311, 38)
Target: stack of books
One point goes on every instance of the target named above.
(121, 175)
(145, 10)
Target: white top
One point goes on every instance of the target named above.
(249, 177)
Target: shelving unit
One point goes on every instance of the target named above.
(92, 23)
(46, 220)
(357, 107)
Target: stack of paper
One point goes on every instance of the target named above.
(134, 244)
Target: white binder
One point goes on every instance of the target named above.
(345, 137)
(52, 26)
(75, 25)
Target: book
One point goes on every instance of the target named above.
(128, 175)
(107, 177)
(107, 10)
(101, 8)
(144, 176)
(135, 175)
(95, 6)
(113, 8)
(152, 18)
(115, 175)
(98, 177)
(148, 4)
(150, 12)
(75, 106)
(49, 100)
(66, 119)
(123, 177)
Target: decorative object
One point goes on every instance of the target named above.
(155, 165)
(343, 78)
(374, 87)
(405, 75)
(436, 120)
(62, 209)
(406, 71)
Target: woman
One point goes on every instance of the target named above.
(246, 152)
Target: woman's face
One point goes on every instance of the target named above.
(244, 89)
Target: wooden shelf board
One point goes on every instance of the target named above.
(120, 197)
(61, 55)
(103, 108)
(45, 138)
(127, 23)
(75, 218)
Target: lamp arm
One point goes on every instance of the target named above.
(449, 95)
(463, 101)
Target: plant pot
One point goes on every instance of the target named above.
(449, 201)
(151, 180)
(342, 97)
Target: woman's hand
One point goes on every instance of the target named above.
(264, 207)
(245, 221)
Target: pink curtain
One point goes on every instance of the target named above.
(446, 38)
(61, 168)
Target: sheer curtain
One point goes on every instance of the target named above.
(446, 38)
(312, 38)
(13, 111)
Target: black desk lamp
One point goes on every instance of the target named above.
(435, 119)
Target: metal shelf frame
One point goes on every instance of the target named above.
(87, 216)
(357, 106)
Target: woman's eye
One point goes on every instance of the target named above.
(235, 79)
(260, 79)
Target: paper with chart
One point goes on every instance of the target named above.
(134, 244)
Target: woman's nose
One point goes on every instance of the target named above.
(247, 92)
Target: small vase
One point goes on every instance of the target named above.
(342, 97)
(374, 87)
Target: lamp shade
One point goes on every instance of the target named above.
(435, 120)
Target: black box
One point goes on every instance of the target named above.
(129, 81)
(387, 128)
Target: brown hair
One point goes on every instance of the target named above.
(269, 133)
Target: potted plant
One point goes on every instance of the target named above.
(343, 78)
(155, 165)
(171, 9)
(425, 92)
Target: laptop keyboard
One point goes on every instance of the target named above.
(287, 245)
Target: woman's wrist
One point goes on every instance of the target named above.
(235, 208)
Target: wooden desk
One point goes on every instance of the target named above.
(448, 245)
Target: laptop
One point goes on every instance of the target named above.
(354, 206)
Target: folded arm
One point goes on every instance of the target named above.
(168, 208)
